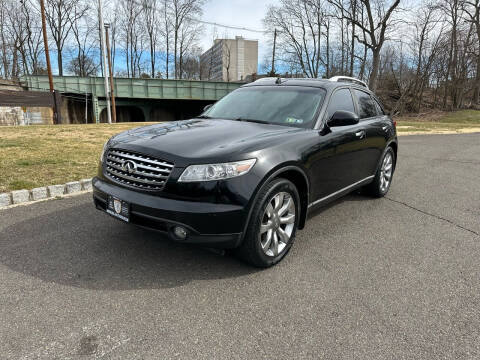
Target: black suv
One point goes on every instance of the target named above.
(245, 173)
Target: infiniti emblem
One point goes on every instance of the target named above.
(129, 166)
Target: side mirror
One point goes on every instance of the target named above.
(207, 107)
(343, 118)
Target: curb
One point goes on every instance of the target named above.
(23, 197)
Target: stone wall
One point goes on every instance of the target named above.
(31, 116)
(11, 115)
(17, 116)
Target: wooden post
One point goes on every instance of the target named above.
(112, 92)
(56, 117)
(272, 73)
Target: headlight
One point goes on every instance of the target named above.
(211, 172)
(105, 147)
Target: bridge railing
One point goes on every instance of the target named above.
(135, 88)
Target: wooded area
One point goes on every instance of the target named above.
(415, 55)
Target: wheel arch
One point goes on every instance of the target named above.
(298, 177)
(394, 145)
(300, 181)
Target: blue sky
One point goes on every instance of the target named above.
(240, 13)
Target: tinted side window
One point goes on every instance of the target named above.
(366, 104)
(340, 100)
(379, 108)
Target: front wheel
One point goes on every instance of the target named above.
(273, 224)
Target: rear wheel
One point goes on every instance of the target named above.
(383, 178)
(273, 224)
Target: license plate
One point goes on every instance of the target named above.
(118, 208)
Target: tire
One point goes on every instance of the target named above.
(265, 243)
(383, 178)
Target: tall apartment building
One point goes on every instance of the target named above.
(230, 60)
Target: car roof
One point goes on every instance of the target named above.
(318, 83)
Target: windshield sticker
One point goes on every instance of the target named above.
(291, 120)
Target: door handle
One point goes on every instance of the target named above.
(360, 134)
(385, 128)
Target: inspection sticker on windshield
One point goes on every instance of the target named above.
(292, 120)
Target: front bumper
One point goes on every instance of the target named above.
(215, 225)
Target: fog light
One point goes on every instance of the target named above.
(180, 232)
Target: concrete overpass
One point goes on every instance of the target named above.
(145, 99)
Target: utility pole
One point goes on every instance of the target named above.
(56, 117)
(112, 88)
(102, 46)
(272, 72)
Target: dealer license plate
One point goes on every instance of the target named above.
(118, 208)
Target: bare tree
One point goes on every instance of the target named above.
(300, 25)
(3, 38)
(18, 37)
(227, 58)
(34, 40)
(114, 23)
(60, 18)
(150, 19)
(472, 9)
(82, 63)
(167, 33)
(183, 13)
(132, 36)
(425, 46)
(191, 65)
(378, 21)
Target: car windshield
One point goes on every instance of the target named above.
(283, 105)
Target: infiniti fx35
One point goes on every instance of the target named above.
(245, 173)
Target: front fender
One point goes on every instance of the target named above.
(287, 169)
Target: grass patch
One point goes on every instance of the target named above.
(21, 184)
(9, 144)
(462, 117)
(440, 122)
(29, 162)
(33, 156)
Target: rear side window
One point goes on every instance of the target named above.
(340, 100)
(366, 105)
(379, 108)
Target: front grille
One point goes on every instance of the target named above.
(141, 171)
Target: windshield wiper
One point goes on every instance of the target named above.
(204, 117)
(252, 120)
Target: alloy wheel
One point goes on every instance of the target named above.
(277, 225)
(386, 172)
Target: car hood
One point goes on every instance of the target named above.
(200, 141)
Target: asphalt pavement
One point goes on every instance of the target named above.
(392, 278)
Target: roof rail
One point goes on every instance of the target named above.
(266, 78)
(348, 79)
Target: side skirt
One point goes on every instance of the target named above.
(340, 192)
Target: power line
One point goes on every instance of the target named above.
(206, 22)
(233, 27)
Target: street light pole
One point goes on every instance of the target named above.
(102, 47)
